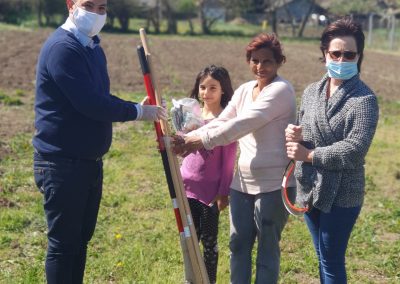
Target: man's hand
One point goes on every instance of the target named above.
(145, 101)
(153, 113)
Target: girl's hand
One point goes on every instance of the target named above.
(298, 152)
(222, 202)
(293, 133)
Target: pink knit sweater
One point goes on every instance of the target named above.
(208, 173)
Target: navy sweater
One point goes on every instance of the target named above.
(74, 109)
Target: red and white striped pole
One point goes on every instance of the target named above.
(195, 271)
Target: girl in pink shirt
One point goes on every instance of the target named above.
(207, 174)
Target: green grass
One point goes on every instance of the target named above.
(13, 100)
(10, 27)
(136, 239)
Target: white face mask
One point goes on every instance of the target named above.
(87, 22)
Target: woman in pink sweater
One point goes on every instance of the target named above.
(256, 116)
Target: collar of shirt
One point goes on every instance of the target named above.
(85, 40)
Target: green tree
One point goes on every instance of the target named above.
(15, 11)
(187, 10)
(123, 10)
(49, 9)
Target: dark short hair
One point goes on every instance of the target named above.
(343, 27)
(269, 41)
(217, 73)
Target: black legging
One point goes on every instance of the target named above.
(205, 219)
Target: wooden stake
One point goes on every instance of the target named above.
(196, 261)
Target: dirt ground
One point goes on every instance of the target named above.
(177, 61)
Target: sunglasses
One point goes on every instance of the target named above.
(349, 55)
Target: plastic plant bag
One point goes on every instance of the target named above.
(186, 115)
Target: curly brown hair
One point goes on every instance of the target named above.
(264, 40)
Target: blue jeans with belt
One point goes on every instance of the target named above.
(262, 216)
(330, 233)
(71, 191)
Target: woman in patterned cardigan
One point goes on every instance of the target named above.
(338, 117)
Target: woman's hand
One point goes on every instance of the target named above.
(293, 133)
(298, 152)
(177, 144)
(222, 202)
(183, 146)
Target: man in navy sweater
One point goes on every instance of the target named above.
(74, 111)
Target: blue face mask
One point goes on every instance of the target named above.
(341, 70)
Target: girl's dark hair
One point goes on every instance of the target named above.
(264, 40)
(217, 73)
(343, 27)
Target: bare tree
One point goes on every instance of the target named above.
(386, 9)
(206, 20)
(390, 10)
(306, 17)
(170, 11)
(237, 7)
(270, 7)
(154, 15)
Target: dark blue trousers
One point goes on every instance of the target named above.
(331, 232)
(72, 191)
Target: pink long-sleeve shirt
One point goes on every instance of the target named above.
(208, 173)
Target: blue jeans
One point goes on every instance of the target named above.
(263, 216)
(331, 232)
(71, 191)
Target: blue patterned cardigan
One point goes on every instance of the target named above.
(340, 130)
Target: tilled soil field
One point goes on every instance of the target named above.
(177, 61)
